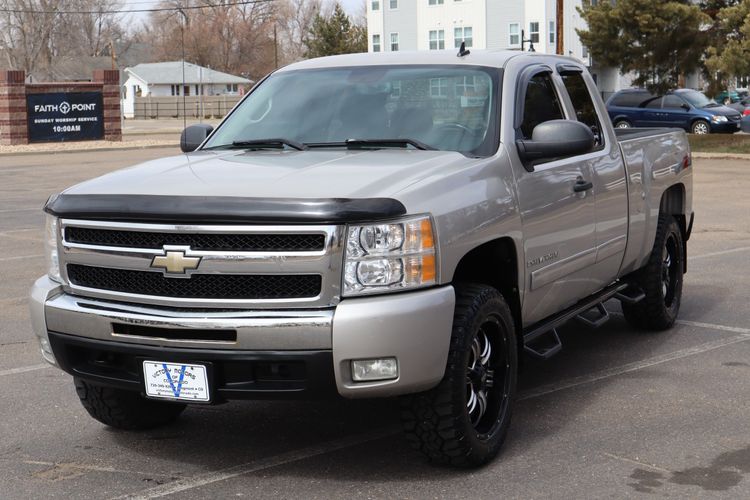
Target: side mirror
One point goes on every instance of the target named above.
(193, 136)
(556, 139)
(686, 107)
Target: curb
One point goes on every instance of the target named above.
(720, 156)
(89, 150)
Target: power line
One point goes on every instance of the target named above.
(133, 11)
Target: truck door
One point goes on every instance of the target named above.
(608, 177)
(558, 221)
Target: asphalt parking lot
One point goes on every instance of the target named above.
(617, 414)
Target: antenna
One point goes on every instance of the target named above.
(462, 51)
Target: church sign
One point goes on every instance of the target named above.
(65, 116)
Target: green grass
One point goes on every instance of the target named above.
(720, 143)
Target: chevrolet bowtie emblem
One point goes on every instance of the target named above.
(175, 262)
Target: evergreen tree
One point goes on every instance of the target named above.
(728, 55)
(659, 41)
(335, 34)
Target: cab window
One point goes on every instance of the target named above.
(583, 104)
(541, 104)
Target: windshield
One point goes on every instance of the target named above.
(440, 107)
(697, 99)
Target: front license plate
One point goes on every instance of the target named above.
(181, 382)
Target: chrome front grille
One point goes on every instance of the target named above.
(199, 286)
(249, 242)
(237, 266)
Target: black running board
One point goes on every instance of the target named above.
(548, 326)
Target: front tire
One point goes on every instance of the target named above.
(125, 410)
(660, 279)
(700, 127)
(464, 420)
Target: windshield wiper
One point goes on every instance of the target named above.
(373, 143)
(712, 105)
(276, 143)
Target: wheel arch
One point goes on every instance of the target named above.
(622, 118)
(673, 203)
(495, 263)
(701, 119)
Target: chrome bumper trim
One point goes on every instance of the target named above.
(256, 330)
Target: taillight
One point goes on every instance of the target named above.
(746, 112)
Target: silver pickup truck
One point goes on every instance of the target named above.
(395, 224)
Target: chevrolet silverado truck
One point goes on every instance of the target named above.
(371, 225)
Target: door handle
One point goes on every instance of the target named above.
(582, 185)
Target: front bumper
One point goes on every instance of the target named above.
(282, 353)
(728, 127)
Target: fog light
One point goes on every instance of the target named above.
(364, 370)
(44, 344)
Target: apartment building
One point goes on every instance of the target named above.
(483, 24)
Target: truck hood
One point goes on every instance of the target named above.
(278, 174)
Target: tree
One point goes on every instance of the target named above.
(37, 35)
(295, 23)
(658, 41)
(226, 36)
(728, 57)
(335, 34)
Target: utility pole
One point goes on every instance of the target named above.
(112, 53)
(560, 16)
(275, 48)
(182, 42)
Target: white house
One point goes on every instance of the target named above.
(165, 79)
(482, 24)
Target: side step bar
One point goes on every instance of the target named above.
(532, 336)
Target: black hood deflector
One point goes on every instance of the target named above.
(222, 209)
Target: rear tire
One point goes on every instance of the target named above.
(660, 279)
(700, 127)
(464, 420)
(622, 124)
(125, 410)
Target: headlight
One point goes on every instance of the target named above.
(392, 256)
(718, 119)
(50, 244)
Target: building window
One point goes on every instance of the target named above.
(514, 34)
(437, 40)
(396, 89)
(463, 35)
(534, 32)
(175, 89)
(438, 87)
(394, 42)
(466, 86)
(232, 88)
(376, 43)
(584, 52)
(552, 32)
(435, 2)
(375, 4)
(393, 4)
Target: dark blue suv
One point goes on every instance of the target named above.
(682, 108)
